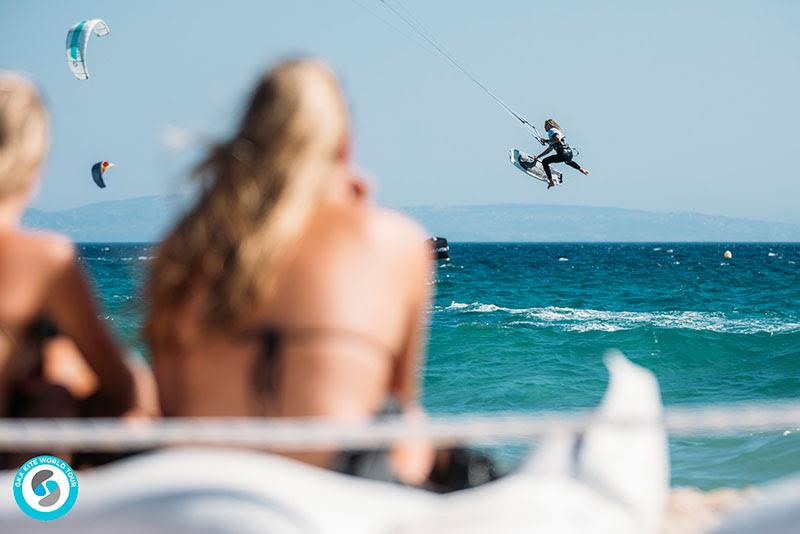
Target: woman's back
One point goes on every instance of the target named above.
(29, 264)
(29, 267)
(56, 357)
(282, 292)
(339, 326)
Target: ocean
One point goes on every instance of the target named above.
(524, 327)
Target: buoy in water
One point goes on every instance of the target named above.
(727, 254)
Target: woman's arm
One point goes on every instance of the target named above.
(546, 151)
(406, 381)
(551, 143)
(70, 304)
(412, 460)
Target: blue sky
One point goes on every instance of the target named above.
(674, 105)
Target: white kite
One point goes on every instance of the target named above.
(77, 39)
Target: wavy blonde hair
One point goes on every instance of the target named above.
(551, 123)
(260, 188)
(24, 136)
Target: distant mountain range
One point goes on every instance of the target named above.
(526, 223)
(146, 219)
(143, 219)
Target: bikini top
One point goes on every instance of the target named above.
(273, 338)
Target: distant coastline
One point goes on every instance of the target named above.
(146, 219)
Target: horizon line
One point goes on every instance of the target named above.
(456, 206)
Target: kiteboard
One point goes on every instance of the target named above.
(537, 171)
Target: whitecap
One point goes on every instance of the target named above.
(586, 320)
(488, 308)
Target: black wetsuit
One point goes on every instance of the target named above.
(563, 155)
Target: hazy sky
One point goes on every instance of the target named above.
(674, 105)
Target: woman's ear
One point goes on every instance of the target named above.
(348, 184)
(355, 184)
(359, 187)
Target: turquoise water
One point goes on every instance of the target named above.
(524, 327)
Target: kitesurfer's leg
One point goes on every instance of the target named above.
(574, 164)
(555, 158)
(577, 167)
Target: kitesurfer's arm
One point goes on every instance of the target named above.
(545, 152)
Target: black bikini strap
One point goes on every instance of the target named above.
(272, 339)
(274, 336)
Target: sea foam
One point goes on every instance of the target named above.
(587, 320)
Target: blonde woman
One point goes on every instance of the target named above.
(284, 292)
(555, 141)
(56, 357)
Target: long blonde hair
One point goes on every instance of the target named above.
(551, 123)
(260, 188)
(24, 137)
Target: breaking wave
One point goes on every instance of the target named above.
(587, 320)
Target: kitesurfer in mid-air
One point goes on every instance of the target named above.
(555, 141)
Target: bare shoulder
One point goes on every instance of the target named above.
(55, 249)
(398, 227)
(45, 250)
(400, 250)
(386, 239)
(29, 263)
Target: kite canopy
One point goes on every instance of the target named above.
(77, 40)
(98, 169)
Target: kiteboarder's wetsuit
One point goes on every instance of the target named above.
(557, 141)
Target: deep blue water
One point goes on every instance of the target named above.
(524, 327)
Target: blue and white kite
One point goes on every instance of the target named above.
(77, 39)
